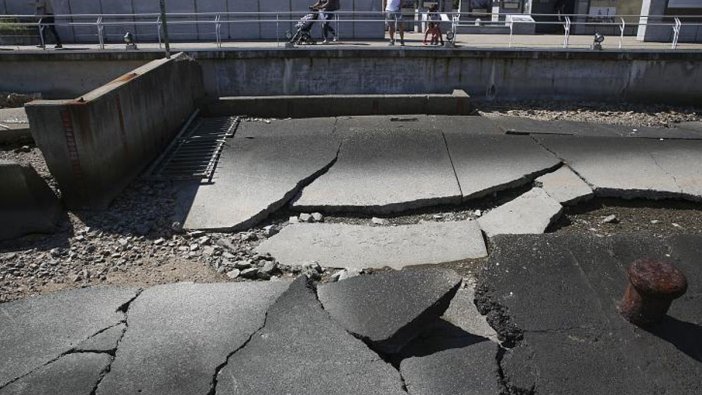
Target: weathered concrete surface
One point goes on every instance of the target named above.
(555, 296)
(254, 177)
(302, 350)
(531, 212)
(465, 124)
(486, 164)
(97, 144)
(385, 172)
(363, 247)
(464, 315)
(75, 374)
(27, 204)
(691, 126)
(105, 341)
(323, 127)
(521, 125)
(14, 126)
(388, 310)
(633, 168)
(179, 333)
(26, 341)
(350, 126)
(565, 186)
(471, 369)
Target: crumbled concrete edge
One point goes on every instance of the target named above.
(519, 182)
(497, 316)
(123, 309)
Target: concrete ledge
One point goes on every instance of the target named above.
(457, 103)
(14, 127)
(98, 143)
(27, 204)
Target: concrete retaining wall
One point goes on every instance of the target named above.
(96, 144)
(456, 103)
(664, 77)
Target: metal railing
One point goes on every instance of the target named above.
(212, 23)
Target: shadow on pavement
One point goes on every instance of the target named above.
(685, 336)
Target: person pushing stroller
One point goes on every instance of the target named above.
(326, 10)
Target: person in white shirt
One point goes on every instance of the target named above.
(393, 19)
(45, 10)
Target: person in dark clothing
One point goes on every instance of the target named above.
(44, 9)
(326, 10)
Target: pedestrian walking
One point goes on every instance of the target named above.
(326, 10)
(45, 11)
(393, 19)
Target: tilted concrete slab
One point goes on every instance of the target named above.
(464, 315)
(473, 124)
(390, 309)
(470, 369)
(348, 126)
(254, 177)
(487, 164)
(565, 186)
(302, 350)
(75, 374)
(286, 127)
(14, 126)
(27, 204)
(531, 212)
(633, 168)
(556, 297)
(385, 172)
(37, 330)
(363, 247)
(180, 333)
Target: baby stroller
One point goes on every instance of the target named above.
(304, 26)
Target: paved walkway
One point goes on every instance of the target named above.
(413, 41)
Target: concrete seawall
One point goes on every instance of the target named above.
(649, 76)
(96, 144)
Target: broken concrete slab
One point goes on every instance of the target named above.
(472, 124)
(301, 350)
(565, 186)
(385, 172)
(466, 370)
(531, 212)
(179, 333)
(285, 127)
(14, 126)
(104, 341)
(633, 168)
(463, 314)
(532, 286)
(487, 164)
(27, 204)
(387, 310)
(72, 316)
(254, 177)
(75, 374)
(522, 125)
(374, 124)
(363, 247)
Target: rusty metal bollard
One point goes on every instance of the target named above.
(653, 285)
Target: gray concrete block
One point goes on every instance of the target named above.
(302, 350)
(471, 369)
(531, 212)
(71, 374)
(390, 309)
(37, 330)
(180, 333)
(486, 164)
(565, 186)
(254, 177)
(385, 172)
(27, 204)
(14, 126)
(115, 131)
(633, 168)
(464, 315)
(363, 247)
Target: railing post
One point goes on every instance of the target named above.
(676, 32)
(100, 30)
(158, 32)
(41, 33)
(566, 28)
(277, 30)
(164, 25)
(511, 31)
(622, 27)
(218, 31)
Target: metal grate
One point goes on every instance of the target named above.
(195, 153)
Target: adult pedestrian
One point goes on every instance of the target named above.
(45, 11)
(326, 10)
(393, 20)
